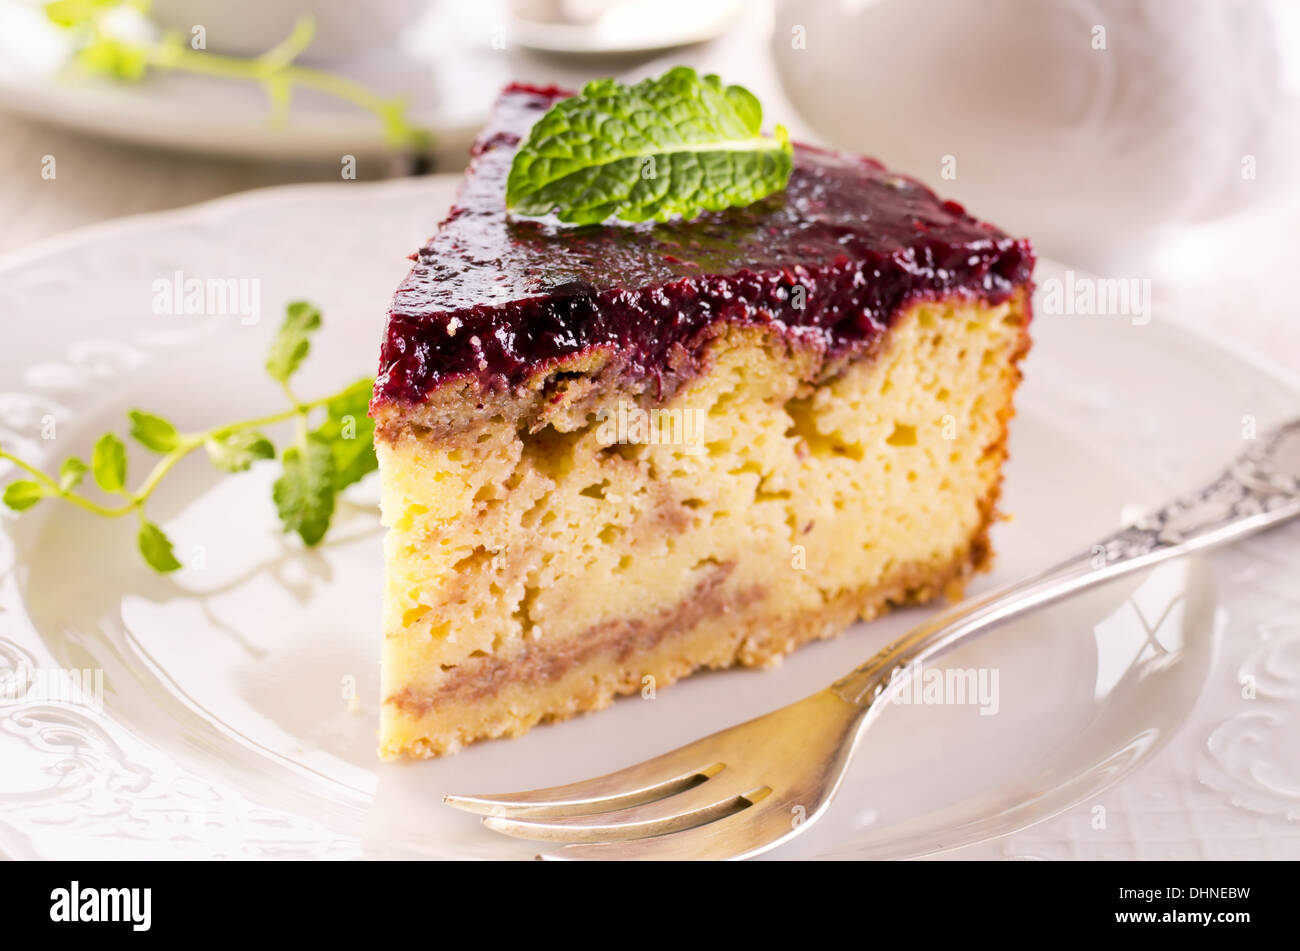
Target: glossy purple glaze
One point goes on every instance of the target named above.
(498, 299)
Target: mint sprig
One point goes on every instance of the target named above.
(315, 468)
(681, 144)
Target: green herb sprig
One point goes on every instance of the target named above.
(102, 50)
(319, 464)
(681, 144)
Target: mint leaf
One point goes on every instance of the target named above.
(237, 451)
(108, 463)
(153, 432)
(71, 473)
(304, 493)
(681, 144)
(350, 434)
(292, 342)
(156, 548)
(23, 494)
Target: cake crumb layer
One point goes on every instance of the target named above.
(533, 573)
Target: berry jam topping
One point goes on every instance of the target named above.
(829, 262)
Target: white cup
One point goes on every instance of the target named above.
(1096, 127)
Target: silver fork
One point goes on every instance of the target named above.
(745, 790)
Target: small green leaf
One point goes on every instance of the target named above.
(71, 473)
(681, 144)
(115, 58)
(65, 12)
(237, 451)
(23, 494)
(108, 463)
(153, 432)
(292, 342)
(156, 548)
(355, 400)
(304, 493)
(76, 12)
(354, 458)
(350, 434)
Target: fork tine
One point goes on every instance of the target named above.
(739, 835)
(782, 733)
(704, 803)
(645, 782)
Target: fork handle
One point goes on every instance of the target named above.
(1259, 489)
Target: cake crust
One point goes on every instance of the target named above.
(500, 700)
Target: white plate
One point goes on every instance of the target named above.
(224, 729)
(449, 67)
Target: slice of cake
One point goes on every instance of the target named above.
(614, 455)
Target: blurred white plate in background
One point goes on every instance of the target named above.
(618, 26)
(450, 64)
